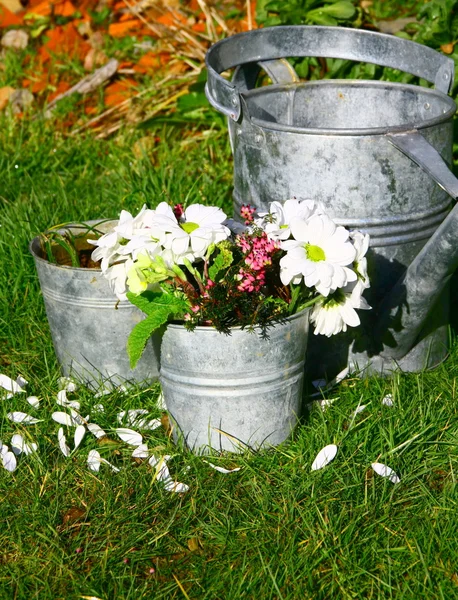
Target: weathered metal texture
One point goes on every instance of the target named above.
(372, 153)
(90, 327)
(232, 391)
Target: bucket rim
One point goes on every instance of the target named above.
(287, 87)
(211, 329)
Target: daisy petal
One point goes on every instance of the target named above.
(221, 469)
(9, 385)
(93, 460)
(33, 401)
(96, 430)
(388, 400)
(21, 417)
(140, 451)
(80, 432)
(129, 436)
(9, 461)
(175, 486)
(63, 419)
(385, 471)
(324, 457)
(63, 442)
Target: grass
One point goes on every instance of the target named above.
(274, 529)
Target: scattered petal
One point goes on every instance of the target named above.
(33, 401)
(21, 417)
(161, 402)
(148, 424)
(358, 410)
(324, 457)
(63, 442)
(67, 384)
(9, 461)
(175, 486)
(98, 408)
(21, 381)
(326, 403)
(140, 451)
(62, 397)
(221, 469)
(388, 400)
(96, 430)
(385, 471)
(3, 448)
(80, 432)
(63, 419)
(78, 419)
(130, 416)
(103, 392)
(93, 460)
(9, 385)
(19, 445)
(129, 436)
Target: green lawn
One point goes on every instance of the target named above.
(272, 530)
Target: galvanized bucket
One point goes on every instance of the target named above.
(90, 326)
(237, 391)
(371, 152)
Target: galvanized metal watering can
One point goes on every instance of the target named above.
(373, 153)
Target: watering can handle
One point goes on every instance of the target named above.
(406, 307)
(272, 43)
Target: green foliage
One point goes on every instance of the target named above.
(160, 308)
(222, 262)
(300, 12)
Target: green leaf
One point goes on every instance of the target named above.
(151, 302)
(222, 261)
(141, 333)
(338, 10)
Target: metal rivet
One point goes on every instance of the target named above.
(234, 101)
(445, 76)
(427, 105)
(239, 131)
(258, 138)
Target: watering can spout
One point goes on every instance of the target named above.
(405, 309)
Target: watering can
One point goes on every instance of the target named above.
(375, 153)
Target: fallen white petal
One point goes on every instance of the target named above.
(221, 469)
(140, 451)
(131, 415)
(63, 419)
(63, 442)
(21, 381)
(9, 461)
(324, 457)
(385, 471)
(98, 408)
(80, 432)
(326, 403)
(162, 470)
(62, 397)
(21, 417)
(175, 486)
(33, 401)
(93, 460)
(103, 392)
(96, 430)
(129, 436)
(161, 402)
(121, 389)
(78, 419)
(150, 424)
(67, 384)
(9, 385)
(19, 445)
(388, 400)
(3, 448)
(358, 410)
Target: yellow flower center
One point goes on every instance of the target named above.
(189, 227)
(315, 253)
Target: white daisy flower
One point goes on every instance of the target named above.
(333, 314)
(321, 253)
(197, 228)
(361, 245)
(276, 223)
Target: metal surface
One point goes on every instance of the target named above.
(241, 384)
(331, 42)
(90, 327)
(371, 152)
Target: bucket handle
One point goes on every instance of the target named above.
(271, 43)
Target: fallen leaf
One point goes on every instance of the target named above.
(21, 417)
(385, 471)
(324, 457)
(72, 515)
(8, 18)
(5, 94)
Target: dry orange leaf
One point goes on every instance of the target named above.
(171, 17)
(63, 8)
(447, 48)
(62, 87)
(64, 40)
(5, 93)
(8, 18)
(119, 91)
(123, 29)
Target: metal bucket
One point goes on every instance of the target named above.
(355, 146)
(230, 392)
(90, 326)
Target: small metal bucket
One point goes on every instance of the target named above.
(371, 152)
(230, 392)
(90, 326)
